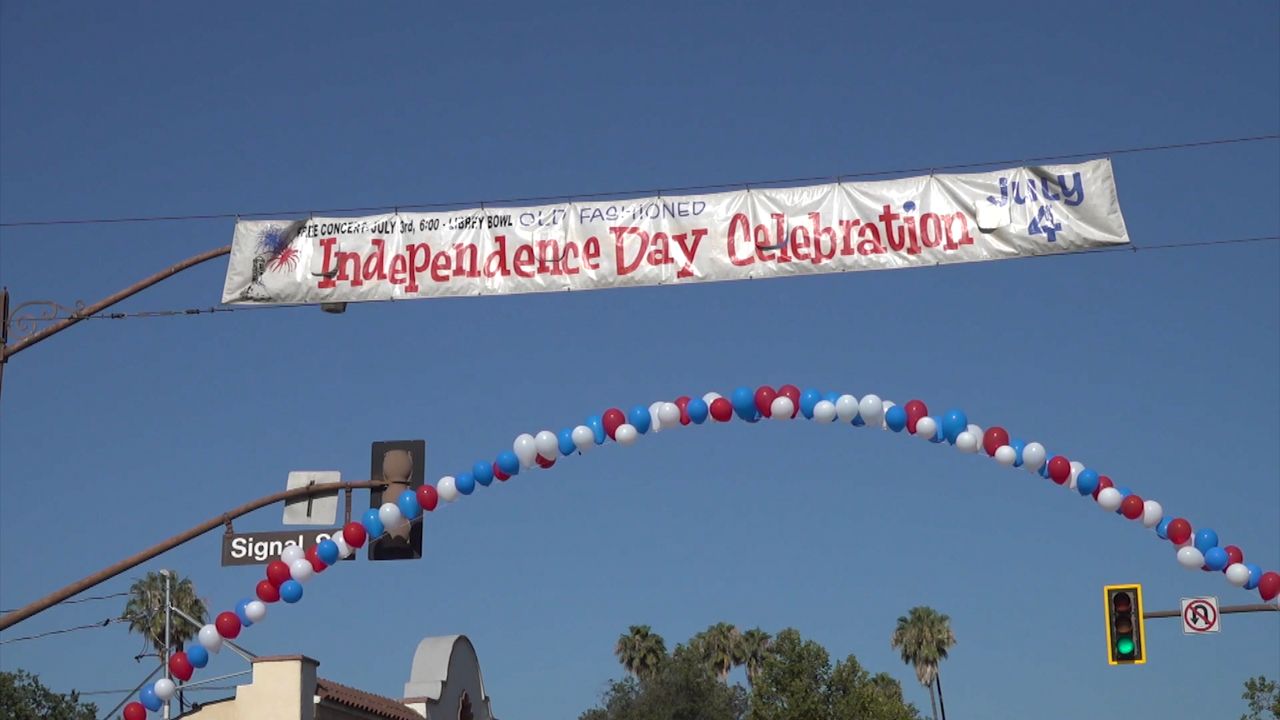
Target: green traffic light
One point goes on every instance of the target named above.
(1124, 646)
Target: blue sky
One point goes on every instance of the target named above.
(1157, 367)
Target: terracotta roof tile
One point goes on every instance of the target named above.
(383, 707)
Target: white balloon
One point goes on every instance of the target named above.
(165, 688)
(1188, 557)
(975, 431)
(583, 438)
(655, 417)
(390, 516)
(1152, 513)
(447, 488)
(926, 427)
(710, 398)
(1006, 455)
(1033, 456)
(670, 414)
(846, 408)
(824, 411)
(871, 408)
(526, 448)
(626, 434)
(209, 638)
(255, 610)
(1237, 574)
(782, 408)
(290, 553)
(885, 405)
(301, 570)
(1109, 499)
(547, 444)
(344, 550)
(966, 442)
(1077, 467)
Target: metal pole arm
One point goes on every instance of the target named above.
(1224, 610)
(80, 586)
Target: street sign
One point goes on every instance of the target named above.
(313, 509)
(1200, 615)
(263, 547)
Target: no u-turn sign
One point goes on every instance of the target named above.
(1200, 615)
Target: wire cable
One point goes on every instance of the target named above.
(81, 600)
(104, 623)
(647, 191)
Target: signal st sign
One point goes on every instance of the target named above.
(263, 547)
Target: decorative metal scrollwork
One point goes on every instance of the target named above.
(31, 317)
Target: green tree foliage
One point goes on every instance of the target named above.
(145, 610)
(792, 680)
(1263, 696)
(641, 651)
(923, 637)
(23, 697)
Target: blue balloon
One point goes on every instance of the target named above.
(408, 504)
(508, 462)
(465, 483)
(953, 423)
(1206, 539)
(291, 591)
(857, 421)
(1087, 481)
(1044, 469)
(565, 440)
(1255, 576)
(148, 698)
(244, 619)
(831, 397)
(744, 403)
(596, 423)
(938, 437)
(327, 551)
(198, 656)
(808, 399)
(639, 419)
(372, 523)
(1017, 446)
(482, 472)
(896, 418)
(1215, 558)
(698, 410)
(1124, 493)
(1162, 527)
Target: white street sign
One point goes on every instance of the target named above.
(316, 509)
(1200, 615)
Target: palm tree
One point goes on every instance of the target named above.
(753, 648)
(145, 611)
(720, 648)
(641, 651)
(923, 636)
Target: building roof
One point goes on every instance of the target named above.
(383, 707)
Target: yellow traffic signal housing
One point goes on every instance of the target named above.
(1126, 636)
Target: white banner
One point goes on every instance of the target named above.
(754, 233)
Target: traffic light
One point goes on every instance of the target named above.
(1126, 639)
(400, 464)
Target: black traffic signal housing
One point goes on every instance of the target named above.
(401, 464)
(1126, 636)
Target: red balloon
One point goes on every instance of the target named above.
(682, 402)
(916, 409)
(1131, 507)
(1059, 469)
(428, 498)
(278, 573)
(313, 557)
(135, 711)
(993, 439)
(267, 592)
(228, 625)
(764, 400)
(1269, 586)
(792, 392)
(497, 472)
(721, 410)
(1104, 482)
(180, 667)
(1234, 555)
(355, 535)
(1178, 530)
(545, 462)
(613, 419)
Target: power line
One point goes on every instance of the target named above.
(247, 308)
(81, 600)
(644, 191)
(104, 623)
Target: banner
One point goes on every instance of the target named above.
(749, 233)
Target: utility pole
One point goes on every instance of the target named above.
(164, 668)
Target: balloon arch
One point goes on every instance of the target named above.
(285, 576)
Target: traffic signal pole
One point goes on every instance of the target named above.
(107, 573)
(1223, 610)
